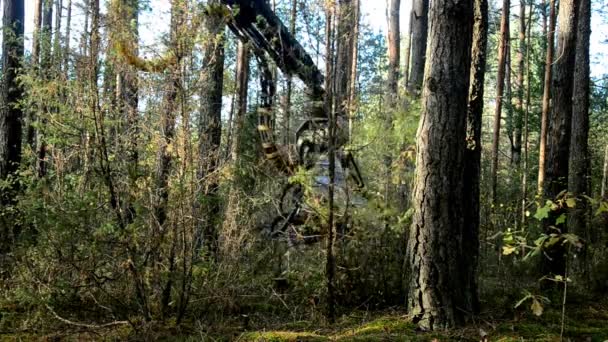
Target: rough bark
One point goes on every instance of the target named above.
(472, 155)
(558, 138)
(35, 61)
(544, 125)
(437, 297)
(210, 130)
(242, 81)
(500, 84)
(579, 163)
(519, 104)
(344, 49)
(419, 31)
(524, 173)
(11, 92)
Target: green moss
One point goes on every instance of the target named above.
(282, 336)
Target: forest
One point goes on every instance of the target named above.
(304, 170)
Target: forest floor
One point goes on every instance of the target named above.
(586, 321)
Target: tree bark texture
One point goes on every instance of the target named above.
(438, 298)
(544, 125)
(579, 163)
(503, 49)
(519, 104)
(559, 134)
(10, 112)
(210, 129)
(472, 155)
(419, 30)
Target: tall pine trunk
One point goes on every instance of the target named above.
(559, 134)
(503, 50)
(438, 298)
(579, 163)
(419, 30)
(519, 104)
(472, 154)
(10, 116)
(544, 125)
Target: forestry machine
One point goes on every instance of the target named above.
(253, 22)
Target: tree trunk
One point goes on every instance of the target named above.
(57, 51)
(66, 49)
(352, 105)
(45, 69)
(344, 49)
(472, 154)
(519, 105)
(604, 192)
(408, 54)
(579, 163)
(524, 173)
(330, 66)
(558, 138)
(394, 48)
(438, 298)
(394, 42)
(210, 131)
(31, 130)
(500, 84)
(544, 125)
(419, 31)
(242, 81)
(10, 111)
(289, 87)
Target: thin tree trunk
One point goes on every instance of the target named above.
(66, 49)
(579, 163)
(544, 126)
(289, 87)
(408, 52)
(519, 105)
(330, 85)
(31, 130)
(242, 81)
(500, 84)
(559, 135)
(57, 51)
(394, 50)
(524, 174)
(352, 91)
(419, 31)
(472, 155)
(45, 66)
(438, 298)
(604, 192)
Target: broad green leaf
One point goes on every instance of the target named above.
(561, 219)
(508, 250)
(542, 213)
(571, 202)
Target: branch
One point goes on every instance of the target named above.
(85, 325)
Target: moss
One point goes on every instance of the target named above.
(282, 336)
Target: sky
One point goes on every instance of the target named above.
(155, 23)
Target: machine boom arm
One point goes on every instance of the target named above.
(255, 21)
